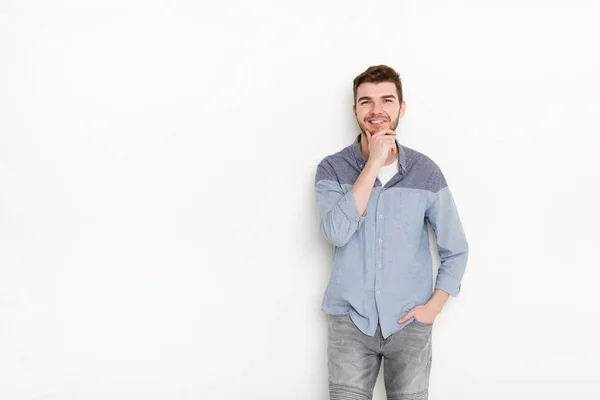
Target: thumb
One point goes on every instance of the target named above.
(406, 317)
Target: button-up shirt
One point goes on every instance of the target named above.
(382, 264)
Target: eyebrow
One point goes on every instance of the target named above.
(387, 96)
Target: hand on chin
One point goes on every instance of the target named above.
(378, 128)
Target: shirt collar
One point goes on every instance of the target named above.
(360, 159)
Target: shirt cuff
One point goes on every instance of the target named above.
(348, 206)
(448, 284)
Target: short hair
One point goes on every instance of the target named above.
(378, 74)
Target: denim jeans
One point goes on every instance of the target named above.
(354, 360)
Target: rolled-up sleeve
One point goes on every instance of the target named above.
(339, 214)
(452, 244)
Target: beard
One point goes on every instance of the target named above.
(392, 125)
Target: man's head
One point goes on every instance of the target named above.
(378, 102)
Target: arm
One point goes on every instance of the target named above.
(438, 300)
(451, 240)
(342, 213)
(364, 186)
(453, 250)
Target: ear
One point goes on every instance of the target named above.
(402, 108)
(354, 109)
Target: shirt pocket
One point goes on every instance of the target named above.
(408, 222)
(409, 212)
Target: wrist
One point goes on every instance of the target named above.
(437, 301)
(433, 307)
(373, 165)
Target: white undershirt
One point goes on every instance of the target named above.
(387, 172)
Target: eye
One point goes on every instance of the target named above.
(388, 100)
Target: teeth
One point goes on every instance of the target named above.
(377, 121)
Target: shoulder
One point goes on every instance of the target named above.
(428, 170)
(335, 165)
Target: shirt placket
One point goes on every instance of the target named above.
(380, 243)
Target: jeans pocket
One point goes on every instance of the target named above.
(422, 323)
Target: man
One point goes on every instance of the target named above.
(375, 198)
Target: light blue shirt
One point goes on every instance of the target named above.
(382, 265)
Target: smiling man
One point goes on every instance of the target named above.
(375, 198)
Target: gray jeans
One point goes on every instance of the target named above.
(355, 359)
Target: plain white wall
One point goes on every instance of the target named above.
(158, 227)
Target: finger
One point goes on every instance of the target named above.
(385, 138)
(384, 132)
(406, 317)
(388, 142)
(369, 135)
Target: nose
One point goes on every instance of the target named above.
(377, 107)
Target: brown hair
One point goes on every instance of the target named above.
(378, 74)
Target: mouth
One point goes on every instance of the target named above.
(377, 122)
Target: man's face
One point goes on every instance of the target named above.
(377, 107)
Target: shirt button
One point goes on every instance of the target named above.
(379, 266)
(381, 216)
(378, 292)
(380, 241)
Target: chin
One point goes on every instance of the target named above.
(378, 128)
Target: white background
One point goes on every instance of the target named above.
(158, 227)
